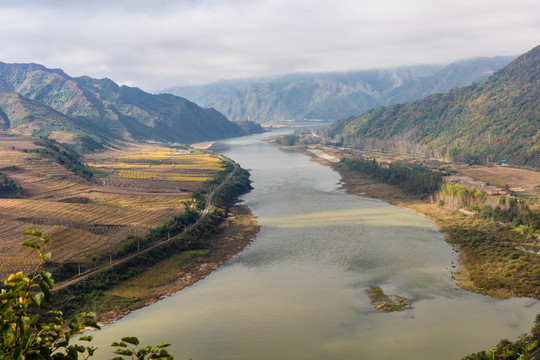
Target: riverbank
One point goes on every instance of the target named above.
(488, 262)
(180, 270)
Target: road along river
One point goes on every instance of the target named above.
(299, 291)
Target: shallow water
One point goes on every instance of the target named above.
(298, 292)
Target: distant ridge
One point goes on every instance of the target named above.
(206, 95)
(35, 100)
(496, 119)
(331, 96)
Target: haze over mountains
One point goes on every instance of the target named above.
(86, 112)
(498, 118)
(331, 96)
(35, 100)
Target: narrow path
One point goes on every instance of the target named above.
(120, 261)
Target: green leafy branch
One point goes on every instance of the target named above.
(147, 352)
(30, 330)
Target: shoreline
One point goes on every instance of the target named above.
(181, 270)
(466, 273)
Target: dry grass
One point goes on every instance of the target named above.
(489, 262)
(210, 165)
(62, 137)
(164, 272)
(87, 217)
(517, 179)
(129, 174)
(89, 214)
(183, 269)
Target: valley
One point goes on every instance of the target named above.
(308, 278)
(137, 188)
(102, 169)
(269, 180)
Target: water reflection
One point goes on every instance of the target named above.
(347, 217)
(298, 292)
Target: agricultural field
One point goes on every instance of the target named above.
(134, 189)
(523, 182)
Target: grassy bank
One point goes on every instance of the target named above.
(138, 282)
(491, 256)
(489, 262)
(179, 270)
(490, 259)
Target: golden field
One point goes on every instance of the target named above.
(138, 187)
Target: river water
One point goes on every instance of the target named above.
(299, 290)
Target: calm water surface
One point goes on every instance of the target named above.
(298, 292)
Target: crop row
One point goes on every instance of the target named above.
(215, 165)
(88, 213)
(161, 176)
(72, 244)
(13, 257)
(174, 157)
(68, 244)
(137, 201)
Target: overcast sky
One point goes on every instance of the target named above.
(155, 44)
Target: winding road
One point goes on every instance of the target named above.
(120, 261)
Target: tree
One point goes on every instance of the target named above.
(30, 330)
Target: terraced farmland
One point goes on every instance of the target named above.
(129, 174)
(141, 187)
(87, 214)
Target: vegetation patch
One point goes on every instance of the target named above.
(411, 180)
(387, 303)
(63, 156)
(94, 221)
(524, 348)
(94, 292)
(497, 235)
(76, 200)
(31, 329)
(8, 188)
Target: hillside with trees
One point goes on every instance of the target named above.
(480, 123)
(87, 112)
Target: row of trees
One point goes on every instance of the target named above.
(495, 119)
(195, 240)
(512, 210)
(462, 196)
(87, 293)
(413, 181)
(33, 327)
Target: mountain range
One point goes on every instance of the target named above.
(496, 119)
(331, 96)
(87, 112)
(208, 94)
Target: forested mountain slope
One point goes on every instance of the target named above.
(37, 100)
(499, 118)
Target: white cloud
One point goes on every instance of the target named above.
(160, 43)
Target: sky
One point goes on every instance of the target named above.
(156, 44)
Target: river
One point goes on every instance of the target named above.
(299, 290)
